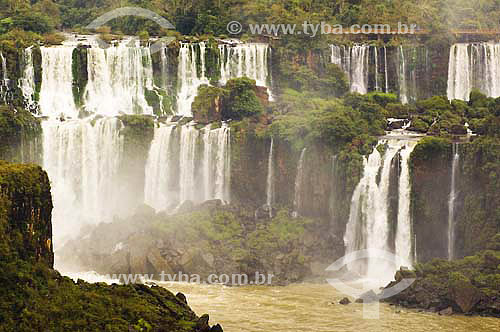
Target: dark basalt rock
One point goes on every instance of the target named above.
(368, 297)
(345, 301)
(181, 297)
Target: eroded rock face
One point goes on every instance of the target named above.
(26, 212)
(211, 239)
(465, 295)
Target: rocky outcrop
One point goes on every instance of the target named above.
(466, 286)
(208, 240)
(37, 298)
(25, 213)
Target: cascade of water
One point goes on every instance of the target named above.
(4, 83)
(27, 81)
(182, 158)
(299, 180)
(451, 202)
(336, 55)
(164, 67)
(82, 158)
(403, 86)
(249, 60)
(386, 74)
(375, 50)
(368, 226)
(56, 94)
(359, 68)
(403, 241)
(459, 73)
(188, 79)
(270, 177)
(118, 79)
(156, 193)
(474, 66)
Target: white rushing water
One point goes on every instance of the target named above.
(451, 202)
(403, 85)
(299, 181)
(386, 72)
(359, 68)
(188, 77)
(354, 61)
(4, 82)
(369, 225)
(403, 240)
(270, 178)
(118, 78)
(249, 60)
(472, 66)
(82, 158)
(185, 163)
(56, 95)
(27, 81)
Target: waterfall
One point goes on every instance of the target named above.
(270, 178)
(299, 180)
(188, 78)
(377, 88)
(359, 68)
(451, 202)
(403, 241)
(459, 86)
(369, 226)
(474, 66)
(164, 67)
(354, 62)
(82, 158)
(27, 81)
(118, 78)
(386, 75)
(156, 192)
(187, 164)
(244, 60)
(56, 94)
(4, 83)
(403, 86)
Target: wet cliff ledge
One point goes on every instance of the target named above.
(467, 286)
(35, 297)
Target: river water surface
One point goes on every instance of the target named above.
(310, 307)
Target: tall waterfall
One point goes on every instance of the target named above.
(27, 81)
(188, 77)
(4, 81)
(451, 202)
(82, 158)
(354, 61)
(270, 178)
(403, 240)
(249, 60)
(386, 72)
(369, 224)
(359, 68)
(472, 66)
(56, 95)
(118, 78)
(299, 182)
(185, 163)
(403, 86)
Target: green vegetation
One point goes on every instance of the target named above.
(19, 131)
(35, 297)
(469, 285)
(235, 101)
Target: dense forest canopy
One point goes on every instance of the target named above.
(212, 16)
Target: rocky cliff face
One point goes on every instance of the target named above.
(25, 214)
(36, 297)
